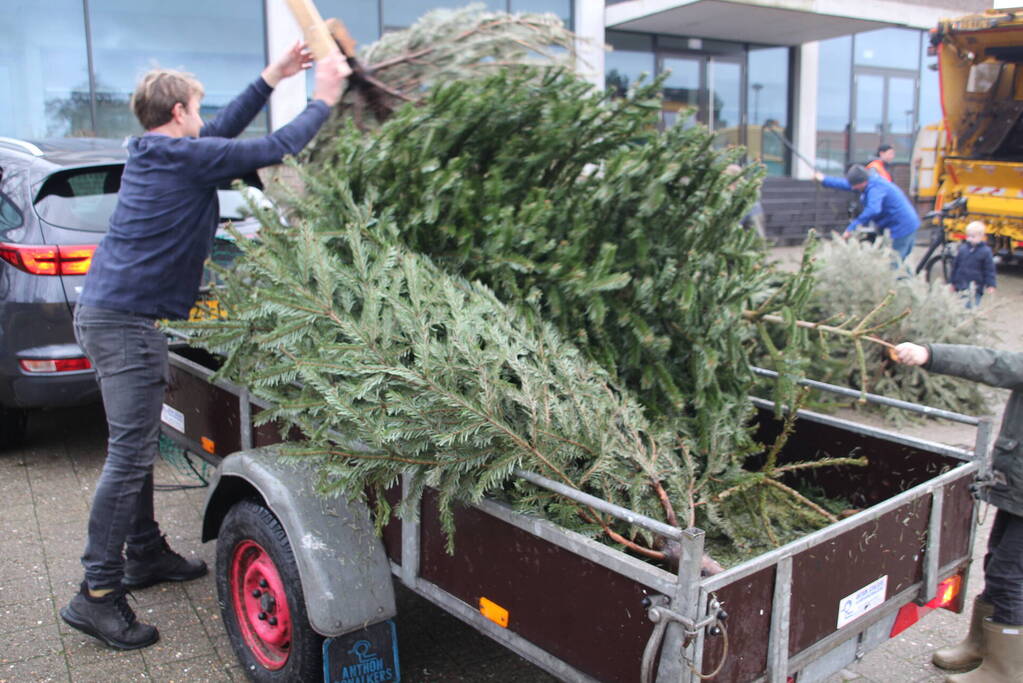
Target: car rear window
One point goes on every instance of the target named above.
(84, 199)
(80, 198)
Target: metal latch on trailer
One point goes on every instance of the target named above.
(660, 612)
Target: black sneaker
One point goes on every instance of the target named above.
(110, 618)
(147, 566)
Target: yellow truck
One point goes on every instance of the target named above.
(976, 152)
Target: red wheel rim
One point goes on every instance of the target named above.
(260, 605)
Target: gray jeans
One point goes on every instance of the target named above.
(129, 355)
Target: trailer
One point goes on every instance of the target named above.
(306, 586)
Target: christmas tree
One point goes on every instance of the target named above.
(518, 271)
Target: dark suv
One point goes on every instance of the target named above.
(56, 198)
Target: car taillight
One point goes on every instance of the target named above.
(47, 259)
(77, 259)
(55, 364)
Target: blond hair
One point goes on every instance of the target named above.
(157, 93)
(976, 227)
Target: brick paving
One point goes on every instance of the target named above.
(45, 491)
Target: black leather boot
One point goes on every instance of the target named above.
(109, 618)
(156, 563)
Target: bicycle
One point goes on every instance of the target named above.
(942, 260)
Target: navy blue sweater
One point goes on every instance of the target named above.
(151, 261)
(973, 263)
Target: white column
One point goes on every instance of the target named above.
(289, 97)
(589, 26)
(805, 123)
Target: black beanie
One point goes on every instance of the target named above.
(856, 175)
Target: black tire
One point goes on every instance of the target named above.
(13, 424)
(246, 527)
(939, 268)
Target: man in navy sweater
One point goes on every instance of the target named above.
(147, 267)
(883, 203)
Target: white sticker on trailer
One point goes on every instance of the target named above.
(862, 601)
(175, 419)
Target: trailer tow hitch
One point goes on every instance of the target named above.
(662, 616)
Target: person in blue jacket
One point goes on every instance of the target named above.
(883, 203)
(973, 270)
(148, 267)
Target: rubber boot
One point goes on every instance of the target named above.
(157, 563)
(1003, 657)
(967, 654)
(109, 618)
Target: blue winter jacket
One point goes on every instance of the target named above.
(973, 263)
(883, 203)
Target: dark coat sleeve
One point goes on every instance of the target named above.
(1002, 369)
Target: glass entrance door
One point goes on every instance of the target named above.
(724, 115)
(710, 88)
(884, 112)
(683, 90)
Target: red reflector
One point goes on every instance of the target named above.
(46, 259)
(56, 365)
(948, 591)
(908, 615)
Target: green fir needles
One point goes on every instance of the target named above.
(519, 272)
(431, 377)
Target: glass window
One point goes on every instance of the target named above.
(10, 215)
(404, 13)
(683, 90)
(631, 55)
(833, 89)
(222, 43)
(361, 17)
(901, 117)
(81, 199)
(894, 48)
(767, 105)
(44, 77)
(726, 94)
(869, 131)
(930, 91)
(560, 8)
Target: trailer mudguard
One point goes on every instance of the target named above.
(346, 577)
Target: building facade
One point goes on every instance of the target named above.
(798, 82)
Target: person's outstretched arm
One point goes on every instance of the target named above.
(834, 182)
(218, 159)
(240, 112)
(995, 368)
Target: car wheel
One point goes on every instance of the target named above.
(261, 598)
(13, 423)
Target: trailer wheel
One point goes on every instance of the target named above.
(261, 598)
